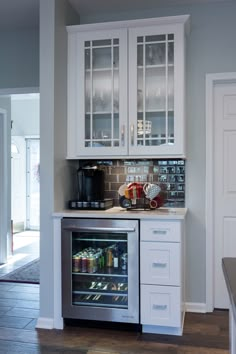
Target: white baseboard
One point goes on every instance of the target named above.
(49, 323)
(45, 323)
(176, 331)
(195, 307)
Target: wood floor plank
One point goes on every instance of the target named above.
(19, 335)
(201, 350)
(23, 288)
(30, 304)
(32, 324)
(101, 352)
(22, 312)
(8, 347)
(5, 286)
(14, 322)
(19, 309)
(18, 295)
(4, 309)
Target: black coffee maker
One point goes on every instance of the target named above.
(91, 183)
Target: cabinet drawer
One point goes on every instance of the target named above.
(169, 231)
(160, 305)
(160, 263)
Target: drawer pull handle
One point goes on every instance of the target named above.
(132, 134)
(123, 135)
(159, 307)
(159, 265)
(159, 232)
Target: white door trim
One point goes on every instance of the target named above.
(211, 81)
(4, 188)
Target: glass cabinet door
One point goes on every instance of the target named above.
(104, 82)
(155, 75)
(155, 90)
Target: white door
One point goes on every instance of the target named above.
(224, 190)
(18, 176)
(32, 184)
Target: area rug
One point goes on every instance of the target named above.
(29, 273)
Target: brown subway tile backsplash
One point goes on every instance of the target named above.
(122, 178)
(119, 170)
(169, 174)
(112, 195)
(111, 177)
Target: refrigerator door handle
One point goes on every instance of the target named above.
(103, 229)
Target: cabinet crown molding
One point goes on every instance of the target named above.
(167, 20)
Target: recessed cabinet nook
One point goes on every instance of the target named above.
(126, 88)
(126, 93)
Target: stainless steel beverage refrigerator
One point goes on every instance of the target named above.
(100, 269)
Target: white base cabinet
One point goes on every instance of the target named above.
(161, 263)
(162, 278)
(160, 305)
(162, 299)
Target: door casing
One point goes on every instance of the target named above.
(5, 178)
(7, 243)
(211, 81)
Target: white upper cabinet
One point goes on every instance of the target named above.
(126, 89)
(97, 93)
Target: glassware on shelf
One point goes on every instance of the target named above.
(144, 128)
(155, 54)
(102, 93)
(140, 100)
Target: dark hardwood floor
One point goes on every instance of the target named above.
(19, 309)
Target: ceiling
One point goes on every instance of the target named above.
(23, 14)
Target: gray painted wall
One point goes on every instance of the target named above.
(47, 31)
(19, 59)
(54, 169)
(210, 49)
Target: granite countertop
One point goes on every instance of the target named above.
(229, 270)
(118, 212)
